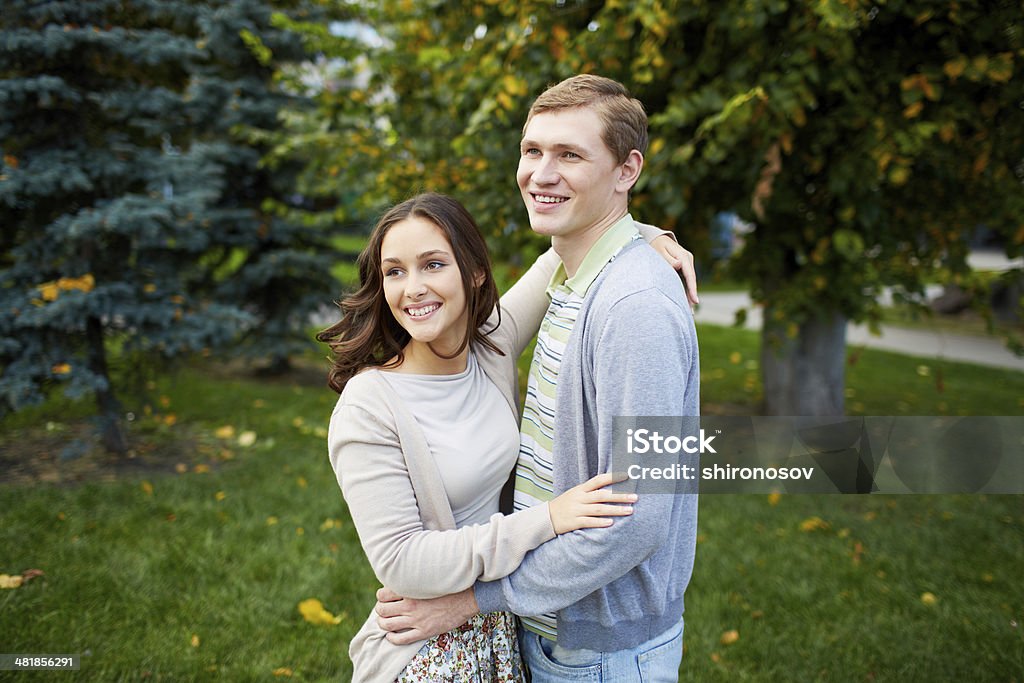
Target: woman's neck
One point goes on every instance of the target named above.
(420, 359)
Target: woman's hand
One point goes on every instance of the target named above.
(590, 504)
(680, 259)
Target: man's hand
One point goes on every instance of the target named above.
(408, 620)
(682, 260)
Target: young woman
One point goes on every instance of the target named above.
(425, 434)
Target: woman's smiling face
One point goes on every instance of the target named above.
(423, 284)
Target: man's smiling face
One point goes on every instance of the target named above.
(569, 179)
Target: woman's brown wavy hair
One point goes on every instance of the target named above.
(368, 334)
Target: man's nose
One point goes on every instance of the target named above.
(546, 171)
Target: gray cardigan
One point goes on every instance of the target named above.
(632, 352)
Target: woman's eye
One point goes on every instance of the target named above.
(392, 272)
(435, 265)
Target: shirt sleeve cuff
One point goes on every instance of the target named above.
(490, 597)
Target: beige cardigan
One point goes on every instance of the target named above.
(398, 502)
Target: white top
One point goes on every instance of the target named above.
(472, 435)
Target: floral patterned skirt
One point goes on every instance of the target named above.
(483, 650)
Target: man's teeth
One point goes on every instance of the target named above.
(543, 199)
(419, 312)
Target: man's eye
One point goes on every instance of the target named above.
(531, 151)
(572, 155)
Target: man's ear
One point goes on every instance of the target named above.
(629, 171)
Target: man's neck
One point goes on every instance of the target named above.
(572, 249)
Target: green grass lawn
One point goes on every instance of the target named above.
(191, 566)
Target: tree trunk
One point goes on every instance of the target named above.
(111, 433)
(804, 375)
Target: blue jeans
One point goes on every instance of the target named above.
(656, 661)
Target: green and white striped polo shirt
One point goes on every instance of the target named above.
(534, 479)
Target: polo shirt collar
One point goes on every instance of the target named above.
(609, 244)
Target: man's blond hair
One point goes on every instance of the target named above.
(624, 118)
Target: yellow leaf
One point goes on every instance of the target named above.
(11, 160)
(312, 610)
(147, 488)
(271, 521)
(773, 499)
(283, 671)
(8, 581)
(201, 469)
(298, 422)
(929, 598)
(246, 439)
(181, 468)
(899, 175)
(730, 637)
(735, 357)
(49, 291)
(220, 495)
(61, 369)
(170, 419)
(301, 481)
(149, 288)
(195, 640)
(331, 524)
(813, 524)
(225, 432)
(955, 67)
(84, 283)
(913, 110)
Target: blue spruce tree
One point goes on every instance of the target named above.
(126, 197)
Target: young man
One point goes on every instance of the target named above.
(618, 340)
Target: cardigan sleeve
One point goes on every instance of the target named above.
(524, 304)
(410, 559)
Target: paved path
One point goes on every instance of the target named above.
(719, 309)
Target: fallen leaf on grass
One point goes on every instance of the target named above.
(225, 432)
(929, 598)
(246, 439)
(8, 581)
(283, 671)
(331, 524)
(729, 637)
(147, 488)
(195, 640)
(773, 498)
(813, 524)
(313, 611)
